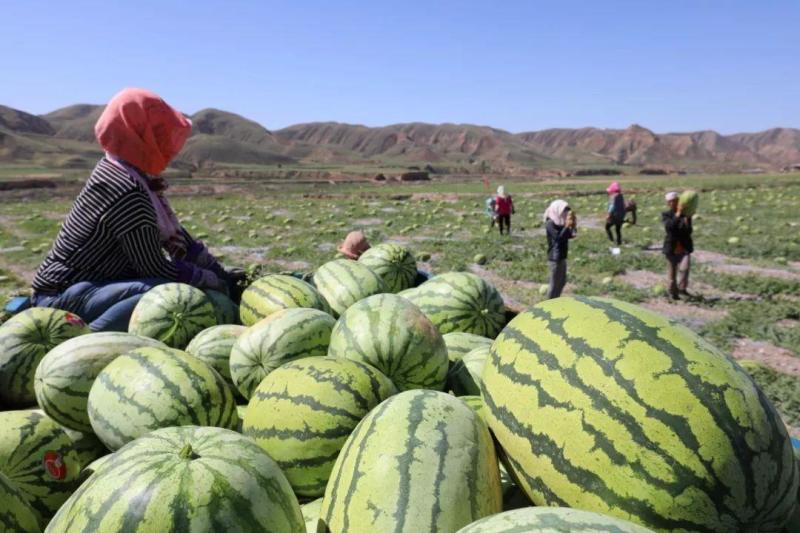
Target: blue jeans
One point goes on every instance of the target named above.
(104, 305)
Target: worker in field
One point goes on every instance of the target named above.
(491, 203)
(615, 215)
(561, 225)
(503, 208)
(121, 237)
(678, 246)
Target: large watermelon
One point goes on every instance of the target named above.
(225, 309)
(310, 512)
(66, 373)
(213, 346)
(464, 378)
(393, 263)
(16, 514)
(420, 461)
(198, 479)
(551, 520)
(461, 301)
(281, 337)
(40, 460)
(688, 202)
(275, 292)
(343, 282)
(151, 388)
(173, 313)
(389, 333)
(459, 344)
(24, 339)
(605, 406)
(302, 412)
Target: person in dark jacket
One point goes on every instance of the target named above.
(678, 246)
(615, 215)
(560, 226)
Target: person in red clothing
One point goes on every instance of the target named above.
(504, 208)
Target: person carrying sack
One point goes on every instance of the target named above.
(678, 246)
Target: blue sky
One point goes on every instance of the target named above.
(729, 65)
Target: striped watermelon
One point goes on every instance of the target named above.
(551, 520)
(461, 301)
(213, 346)
(392, 335)
(225, 309)
(172, 313)
(605, 406)
(302, 413)
(24, 339)
(420, 461)
(464, 378)
(393, 263)
(475, 403)
(275, 292)
(40, 460)
(310, 512)
(197, 479)
(66, 373)
(16, 514)
(151, 388)
(343, 282)
(459, 344)
(281, 337)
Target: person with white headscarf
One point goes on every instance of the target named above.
(504, 208)
(678, 246)
(560, 226)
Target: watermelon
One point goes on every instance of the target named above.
(310, 512)
(24, 339)
(16, 514)
(343, 282)
(461, 301)
(475, 403)
(198, 479)
(303, 411)
(172, 313)
(459, 344)
(66, 373)
(213, 346)
(393, 263)
(40, 461)
(151, 388)
(225, 309)
(389, 333)
(551, 520)
(464, 378)
(281, 337)
(420, 461)
(608, 407)
(688, 202)
(275, 292)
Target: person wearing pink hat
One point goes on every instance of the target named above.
(616, 212)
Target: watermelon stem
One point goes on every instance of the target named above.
(188, 453)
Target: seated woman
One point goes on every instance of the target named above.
(121, 237)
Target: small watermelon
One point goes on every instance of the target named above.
(310, 512)
(226, 310)
(459, 344)
(198, 479)
(393, 263)
(343, 282)
(172, 313)
(152, 388)
(302, 412)
(465, 376)
(275, 292)
(213, 346)
(24, 340)
(389, 333)
(551, 519)
(688, 202)
(284, 336)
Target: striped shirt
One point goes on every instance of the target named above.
(111, 233)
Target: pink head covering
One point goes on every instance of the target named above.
(614, 188)
(140, 128)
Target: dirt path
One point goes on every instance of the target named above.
(729, 265)
(775, 357)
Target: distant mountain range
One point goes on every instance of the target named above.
(65, 139)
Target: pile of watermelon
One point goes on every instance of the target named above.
(357, 401)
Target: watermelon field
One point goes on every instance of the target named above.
(360, 396)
